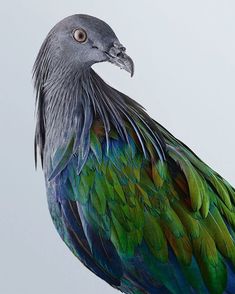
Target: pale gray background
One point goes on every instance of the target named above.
(184, 53)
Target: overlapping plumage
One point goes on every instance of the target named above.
(132, 202)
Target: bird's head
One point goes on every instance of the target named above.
(79, 41)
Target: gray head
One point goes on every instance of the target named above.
(70, 95)
(78, 42)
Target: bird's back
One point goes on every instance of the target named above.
(143, 224)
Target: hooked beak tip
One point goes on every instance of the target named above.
(132, 71)
(118, 56)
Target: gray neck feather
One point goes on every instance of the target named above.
(68, 101)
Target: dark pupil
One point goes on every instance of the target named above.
(81, 36)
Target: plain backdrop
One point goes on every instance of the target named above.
(184, 53)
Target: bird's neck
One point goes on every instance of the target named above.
(71, 104)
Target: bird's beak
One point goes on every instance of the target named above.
(117, 55)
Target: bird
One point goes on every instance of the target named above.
(133, 203)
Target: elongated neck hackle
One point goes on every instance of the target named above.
(70, 101)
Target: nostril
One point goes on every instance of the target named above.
(117, 50)
(95, 47)
(119, 46)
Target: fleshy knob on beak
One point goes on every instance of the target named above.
(117, 55)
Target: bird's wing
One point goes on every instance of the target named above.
(174, 218)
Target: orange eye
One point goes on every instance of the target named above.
(80, 35)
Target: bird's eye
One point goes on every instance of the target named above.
(80, 35)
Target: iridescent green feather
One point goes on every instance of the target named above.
(141, 202)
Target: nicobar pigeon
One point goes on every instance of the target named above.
(134, 204)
